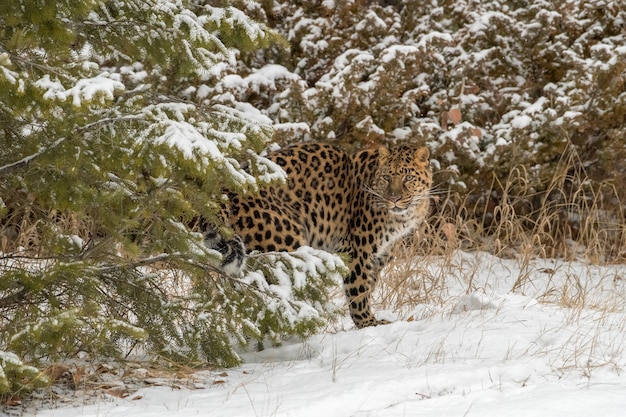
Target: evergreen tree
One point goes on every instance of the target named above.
(110, 145)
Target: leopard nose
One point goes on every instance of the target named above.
(394, 190)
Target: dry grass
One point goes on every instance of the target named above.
(26, 229)
(569, 220)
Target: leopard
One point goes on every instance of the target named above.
(360, 204)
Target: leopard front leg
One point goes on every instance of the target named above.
(358, 287)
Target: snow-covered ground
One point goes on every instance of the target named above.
(553, 347)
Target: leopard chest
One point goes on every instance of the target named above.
(379, 233)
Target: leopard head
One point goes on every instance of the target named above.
(403, 178)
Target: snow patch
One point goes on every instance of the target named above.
(521, 122)
(490, 353)
(100, 88)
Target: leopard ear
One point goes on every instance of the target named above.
(383, 153)
(422, 154)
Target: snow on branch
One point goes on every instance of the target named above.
(208, 143)
(235, 19)
(185, 137)
(295, 277)
(7, 74)
(101, 88)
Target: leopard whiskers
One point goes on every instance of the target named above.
(418, 199)
(377, 200)
(437, 190)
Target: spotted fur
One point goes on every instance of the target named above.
(357, 204)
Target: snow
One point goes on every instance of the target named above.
(521, 122)
(486, 350)
(11, 76)
(390, 55)
(102, 87)
(484, 22)
(267, 77)
(430, 37)
(235, 18)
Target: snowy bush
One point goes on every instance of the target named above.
(491, 87)
(114, 139)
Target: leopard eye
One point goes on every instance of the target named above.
(387, 178)
(409, 178)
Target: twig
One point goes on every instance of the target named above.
(136, 264)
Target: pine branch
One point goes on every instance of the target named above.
(110, 120)
(21, 294)
(26, 160)
(29, 64)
